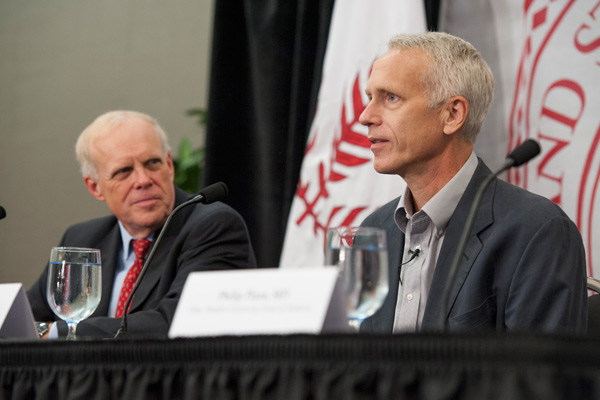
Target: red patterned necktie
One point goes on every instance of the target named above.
(140, 247)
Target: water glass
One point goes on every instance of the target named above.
(74, 284)
(361, 256)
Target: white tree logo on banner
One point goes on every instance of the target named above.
(347, 153)
(338, 184)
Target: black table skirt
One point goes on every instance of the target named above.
(305, 367)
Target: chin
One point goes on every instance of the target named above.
(154, 222)
(384, 170)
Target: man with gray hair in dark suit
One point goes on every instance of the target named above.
(524, 263)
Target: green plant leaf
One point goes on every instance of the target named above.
(189, 163)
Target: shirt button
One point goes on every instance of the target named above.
(409, 296)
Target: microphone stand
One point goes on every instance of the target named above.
(122, 332)
(210, 194)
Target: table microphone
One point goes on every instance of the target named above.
(210, 194)
(519, 156)
(2, 212)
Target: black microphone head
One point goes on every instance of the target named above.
(215, 192)
(525, 152)
(2, 212)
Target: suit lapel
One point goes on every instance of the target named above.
(454, 231)
(156, 266)
(109, 252)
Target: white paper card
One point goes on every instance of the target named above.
(260, 301)
(16, 319)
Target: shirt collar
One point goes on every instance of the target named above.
(442, 205)
(126, 239)
(403, 210)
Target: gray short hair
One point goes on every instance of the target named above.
(457, 69)
(103, 125)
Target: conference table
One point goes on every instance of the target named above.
(316, 367)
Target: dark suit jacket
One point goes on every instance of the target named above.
(199, 238)
(523, 267)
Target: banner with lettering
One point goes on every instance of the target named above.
(548, 80)
(338, 185)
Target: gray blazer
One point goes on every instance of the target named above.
(523, 268)
(199, 238)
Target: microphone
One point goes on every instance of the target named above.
(210, 194)
(2, 212)
(519, 156)
(523, 153)
(413, 256)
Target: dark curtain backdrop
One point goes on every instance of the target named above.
(266, 65)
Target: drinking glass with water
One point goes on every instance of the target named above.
(74, 284)
(361, 256)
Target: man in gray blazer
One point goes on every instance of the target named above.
(523, 268)
(125, 161)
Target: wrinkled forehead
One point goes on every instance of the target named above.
(114, 133)
(129, 137)
(402, 61)
(406, 54)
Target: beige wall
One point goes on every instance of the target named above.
(64, 62)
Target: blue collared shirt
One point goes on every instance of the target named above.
(125, 262)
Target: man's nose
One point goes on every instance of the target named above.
(142, 178)
(368, 116)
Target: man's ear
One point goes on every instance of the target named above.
(455, 114)
(93, 187)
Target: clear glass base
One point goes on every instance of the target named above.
(355, 323)
(72, 328)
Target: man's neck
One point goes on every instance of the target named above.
(424, 184)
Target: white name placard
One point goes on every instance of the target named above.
(16, 319)
(260, 301)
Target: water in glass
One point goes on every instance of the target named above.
(74, 284)
(361, 256)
